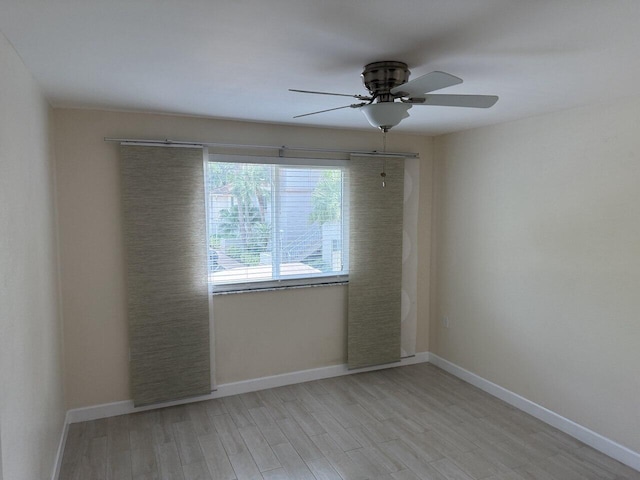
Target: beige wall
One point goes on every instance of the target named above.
(257, 334)
(538, 261)
(31, 396)
(284, 331)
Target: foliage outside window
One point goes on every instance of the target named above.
(272, 225)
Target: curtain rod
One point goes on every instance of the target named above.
(176, 143)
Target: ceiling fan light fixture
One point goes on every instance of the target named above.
(385, 115)
(388, 81)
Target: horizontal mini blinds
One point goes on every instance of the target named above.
(167, 292)
(375, 276)
(274, 222)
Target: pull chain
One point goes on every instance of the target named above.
(384, 161)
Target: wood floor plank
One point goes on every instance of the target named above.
(244, 466)
(401, 425)
(379, 432)
(338, 388)
(292, 462)
(378, 409)
(277, 474)
(478, 463)
(315, 388)
(347, 468)
(251, 400)
(557, 467)
(458, 414)
(141, 437)
(187, 442)
(142, 420)
(322, 469)
(360, 413)
(299, 440)
(425, 446)
(342, 437)
(405, 475)
(339, 411)
(75, 446)
(309, 401)
(118, 434)
(381, 459)
(505, 476)
(285, 393)
(369, 466)
(587, 469)
(169, 467)
(599, 459)
(119, 465)
(229, 434)
(408, 457)
(237, 410)
(94, 463)
(534, 472)
(503, 453)
(216, 457)
(307, 421)
(162, 429)
(475, 433)
(175, 414)
(363, 436)
(450, 470)
(564, 441)
(273, 403)
(97, 428)
(449, 435)
(267, 425)
(327, 445)
(143, 462)
(199, 417)
(215, 407)
(444, 445)
(259, 448)
(196, 471)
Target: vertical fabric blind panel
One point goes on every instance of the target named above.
(165, 240)
(375, 255)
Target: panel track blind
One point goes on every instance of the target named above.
(165, 239)
(375, 256)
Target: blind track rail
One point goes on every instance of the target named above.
(280, 148)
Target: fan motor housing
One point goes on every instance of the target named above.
(380, 77)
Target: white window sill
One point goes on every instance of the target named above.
(271, 288)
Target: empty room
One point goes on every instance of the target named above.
(333, 240)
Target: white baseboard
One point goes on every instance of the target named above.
(591, 438)
(126, 406)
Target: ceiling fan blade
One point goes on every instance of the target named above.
(425, 84)
(473, 101)
(359, 97)
(353, 105)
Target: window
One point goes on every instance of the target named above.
(275, 225)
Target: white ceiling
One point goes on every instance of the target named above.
(237, 58)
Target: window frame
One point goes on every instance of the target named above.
(291, 281)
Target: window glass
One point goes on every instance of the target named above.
(274, 225)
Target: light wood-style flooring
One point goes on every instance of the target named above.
(405, 423)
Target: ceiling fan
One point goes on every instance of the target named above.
(389, 81)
